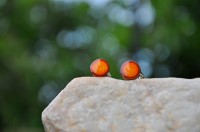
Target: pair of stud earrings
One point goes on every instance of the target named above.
(129, 70)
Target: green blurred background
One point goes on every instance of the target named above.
(45, 44)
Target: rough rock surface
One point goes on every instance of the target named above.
(90, 104)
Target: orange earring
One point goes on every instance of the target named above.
(100, 68)
(130, 70)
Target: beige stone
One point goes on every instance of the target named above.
(90, 104)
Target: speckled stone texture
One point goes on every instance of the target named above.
(90, 104)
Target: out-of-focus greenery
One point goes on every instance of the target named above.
(45, 44)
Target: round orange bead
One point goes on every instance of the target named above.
(99, 68)
(130, 70)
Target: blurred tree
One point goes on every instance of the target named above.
(45, 44)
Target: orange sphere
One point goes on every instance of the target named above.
(99, 68)
(130, 70)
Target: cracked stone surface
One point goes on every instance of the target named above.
(90, 104)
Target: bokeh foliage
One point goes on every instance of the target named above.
(45, 44)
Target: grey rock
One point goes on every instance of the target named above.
(90, 104)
